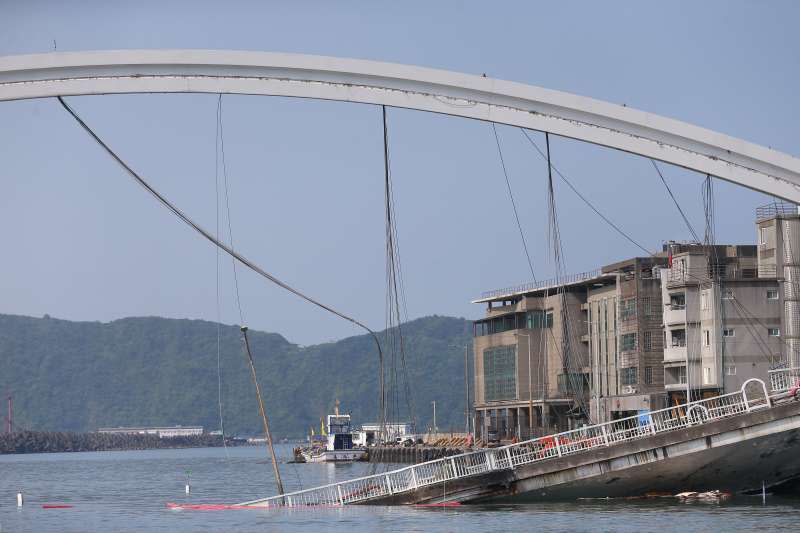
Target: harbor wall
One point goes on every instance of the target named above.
(411, 454)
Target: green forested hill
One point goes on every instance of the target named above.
(78, 376)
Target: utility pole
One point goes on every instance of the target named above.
(263, 412)
(10, 418)
(435, 428)
(466, 388)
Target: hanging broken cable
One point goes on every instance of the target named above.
(675, 201)
(571, 371)
(394, 319)
(582, 197)
(513, 203)
(219, 314)
(228, 205)
(199, 229)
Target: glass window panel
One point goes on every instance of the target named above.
(500, 373)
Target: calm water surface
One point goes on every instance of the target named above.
(127, 491)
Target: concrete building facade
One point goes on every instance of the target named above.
(722, 320)
(586, 350)
(692, 321)
(531, 361)
(625, 340)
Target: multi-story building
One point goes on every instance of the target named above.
(638, 334)
(586, 349)
(722, 320)
(732, 312)
(161, 432)
(778, 234)
(532, 360)
(625, 340)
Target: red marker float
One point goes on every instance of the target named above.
(207, 506)
(56, 506)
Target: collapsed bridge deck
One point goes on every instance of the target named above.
(564, 464)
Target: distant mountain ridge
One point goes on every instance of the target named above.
(78, 376)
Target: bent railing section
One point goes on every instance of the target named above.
(783, 379)
(752, 396)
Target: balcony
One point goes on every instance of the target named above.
(674, 314)
(673, 354)
(681, 277)
(674, 378)
(501, 310)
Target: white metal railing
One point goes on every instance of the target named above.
(536, 285)
(753, 395)
(782, 379)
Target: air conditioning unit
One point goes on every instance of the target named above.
(628, 389)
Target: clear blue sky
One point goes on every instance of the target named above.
(80, 241)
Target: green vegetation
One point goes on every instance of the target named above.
(52, 441)
(78, 376)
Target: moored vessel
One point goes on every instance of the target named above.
(338, 446)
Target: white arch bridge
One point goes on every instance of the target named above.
(411, 87)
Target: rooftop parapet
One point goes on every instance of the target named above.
(776, 209)
(571, 279)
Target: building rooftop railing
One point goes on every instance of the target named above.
(509, 457)
(776, 209)
(543, 284)
(689, 276)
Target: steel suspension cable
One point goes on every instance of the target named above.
(219, 314)
(228, 207)
(205, 234)
(583, 198)
(568, 334)
(675, 201)
(513, 203)
(395, 289)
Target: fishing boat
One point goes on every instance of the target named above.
(338, 446)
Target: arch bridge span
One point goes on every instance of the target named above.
(450, 93)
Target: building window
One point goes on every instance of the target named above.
(763, 234)
(648, 307)
(627, 309)
(678, 338)
(706, 337)
(629, 376)
(573, 384)
(772, 294)
(647, 340)
(677, 302)
(774, 332)
(539, 319)
(727, 294)
(728, 332)
(682, 375)
(707, 375)
(627, 342)
(730, 370)
(648, 375)
(704, 300)
(500, 373)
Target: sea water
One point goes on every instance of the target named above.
(128, 491)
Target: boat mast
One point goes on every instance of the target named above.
(264, 419)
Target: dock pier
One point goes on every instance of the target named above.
(412, 454)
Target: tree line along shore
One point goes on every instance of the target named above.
(56, 441)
